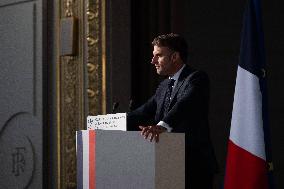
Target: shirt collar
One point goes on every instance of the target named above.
(177, 74)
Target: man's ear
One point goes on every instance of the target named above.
(175, 56)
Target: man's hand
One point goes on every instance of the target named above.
(152, 132)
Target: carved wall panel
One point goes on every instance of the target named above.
(22, 89)
(95, 56)
(80, 83)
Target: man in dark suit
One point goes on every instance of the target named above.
(180, 104)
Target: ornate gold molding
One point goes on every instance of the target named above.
(68, 8)
(74, 93)
(95, 48)
(71, 98)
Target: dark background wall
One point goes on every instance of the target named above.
(212, 29)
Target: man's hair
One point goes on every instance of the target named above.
(174, 42)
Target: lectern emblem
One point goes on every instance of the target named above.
(18, 161)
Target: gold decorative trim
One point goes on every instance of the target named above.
(103, 58)
(74, 93)
(69, 8)
(71, 98)
(58, 100)
(96, 64)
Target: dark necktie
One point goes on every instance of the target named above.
(168, 96)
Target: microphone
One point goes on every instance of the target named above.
(114, 107)
(131, 105)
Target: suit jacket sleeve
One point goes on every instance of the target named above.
(144, 115)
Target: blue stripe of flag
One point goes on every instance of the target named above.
(79, 160)
(252, 44)
(252, 59)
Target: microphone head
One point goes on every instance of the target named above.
(114, 106)
(131, 105)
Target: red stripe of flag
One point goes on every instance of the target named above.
(92, 160)
(245, 170)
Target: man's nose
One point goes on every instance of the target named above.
(154, 60)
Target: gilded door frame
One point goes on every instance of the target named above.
(80, 80)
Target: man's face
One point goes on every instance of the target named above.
(162, 59)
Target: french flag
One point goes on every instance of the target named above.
(86, 160)
(248, 163)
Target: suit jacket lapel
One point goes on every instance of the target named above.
(161, 101)
(185, 72)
